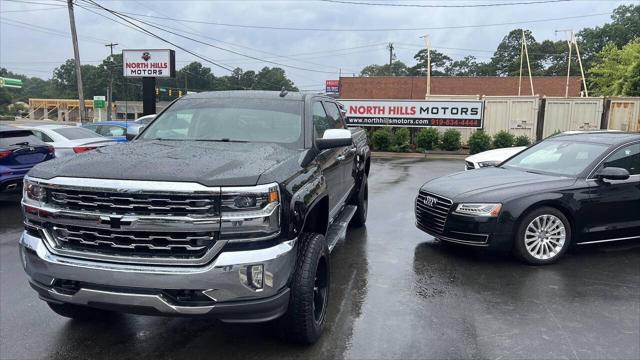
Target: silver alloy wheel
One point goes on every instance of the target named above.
(545, 236)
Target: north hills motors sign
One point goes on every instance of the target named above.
(157, 63)
(414, 113)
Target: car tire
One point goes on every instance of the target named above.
(77, 312)
(544, 235)
(361, 200)
(305, 318)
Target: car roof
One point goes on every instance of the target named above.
(600, 137)
(254, 94)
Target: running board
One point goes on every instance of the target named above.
(338, 230)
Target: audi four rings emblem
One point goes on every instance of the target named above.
(430, 201)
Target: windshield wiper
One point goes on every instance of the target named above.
(222, 140)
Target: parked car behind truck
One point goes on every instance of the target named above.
(227, 205)
(19, 152)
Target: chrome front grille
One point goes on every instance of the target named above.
(128, 243)
(134, 203)
(432, 212)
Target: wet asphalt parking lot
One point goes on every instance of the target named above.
(395, 293)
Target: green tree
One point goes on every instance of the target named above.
(506, 58)
(273, 79)
(467, 66)
(616, 71)
(439, 63)
(397, 68)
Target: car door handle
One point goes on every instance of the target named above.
(351, 150)
(340, 157)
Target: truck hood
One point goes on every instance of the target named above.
(493, 184)
(207, 163)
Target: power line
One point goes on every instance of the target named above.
(116, 13)
(265, 27)
(44, 30)
(156, 36)
(32, 10)
(34, 2)
(443, 5)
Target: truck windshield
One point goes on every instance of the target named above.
(230, 119)
(556, 157)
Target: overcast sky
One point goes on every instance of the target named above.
(36, 51)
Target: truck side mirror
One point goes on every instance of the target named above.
(333, 138)
(133, 131)
(613, 173)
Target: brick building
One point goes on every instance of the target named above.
(414, 87)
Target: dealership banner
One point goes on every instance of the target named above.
(414, 113)
(149, 63)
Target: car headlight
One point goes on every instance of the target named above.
(250, 213)
(33, 191)
(486, 210)
(488, 163)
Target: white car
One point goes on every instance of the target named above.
(68, 140)
(491, 157)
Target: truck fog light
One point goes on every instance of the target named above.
(252, 276)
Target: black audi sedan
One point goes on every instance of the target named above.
(568, 189)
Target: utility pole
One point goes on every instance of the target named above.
(427, 44)
(110, 89)
(390, 47)
(571, 41)
(524, 52)
(76, 54)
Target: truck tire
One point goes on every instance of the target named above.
(361, 200)
(77, 312)
(305, 318)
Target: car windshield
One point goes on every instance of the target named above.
(230, 119)
(76, 133)
(557, 157)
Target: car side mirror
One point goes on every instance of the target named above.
(132, 132)
(333, 138)
(613, 173)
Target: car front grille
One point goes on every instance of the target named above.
(140, 244)
(432, 212)
(469, 165)
(134, 203)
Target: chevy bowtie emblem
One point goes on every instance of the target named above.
(115, 222)
(430, 201)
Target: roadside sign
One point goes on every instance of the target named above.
(10, 83)
(332, 86)
(99, 102)
(414, 113)
(156, 63)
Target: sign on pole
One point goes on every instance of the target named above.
(99, 102)
(414, 113)
(332, 86)
(156, 63)
(10, 83)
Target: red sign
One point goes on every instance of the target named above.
(332, 86)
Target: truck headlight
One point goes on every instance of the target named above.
(250, 213)
(33, 191)
(486, 210)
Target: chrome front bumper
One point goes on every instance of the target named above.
(129, 287)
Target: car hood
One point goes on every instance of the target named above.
(207, 163)
(493, 184)
(495, 154)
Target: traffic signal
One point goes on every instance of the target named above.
(169, 92)
(157, 91)
(179, 93)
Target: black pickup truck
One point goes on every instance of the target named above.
(227, 205)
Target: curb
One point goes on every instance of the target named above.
(384, 154)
